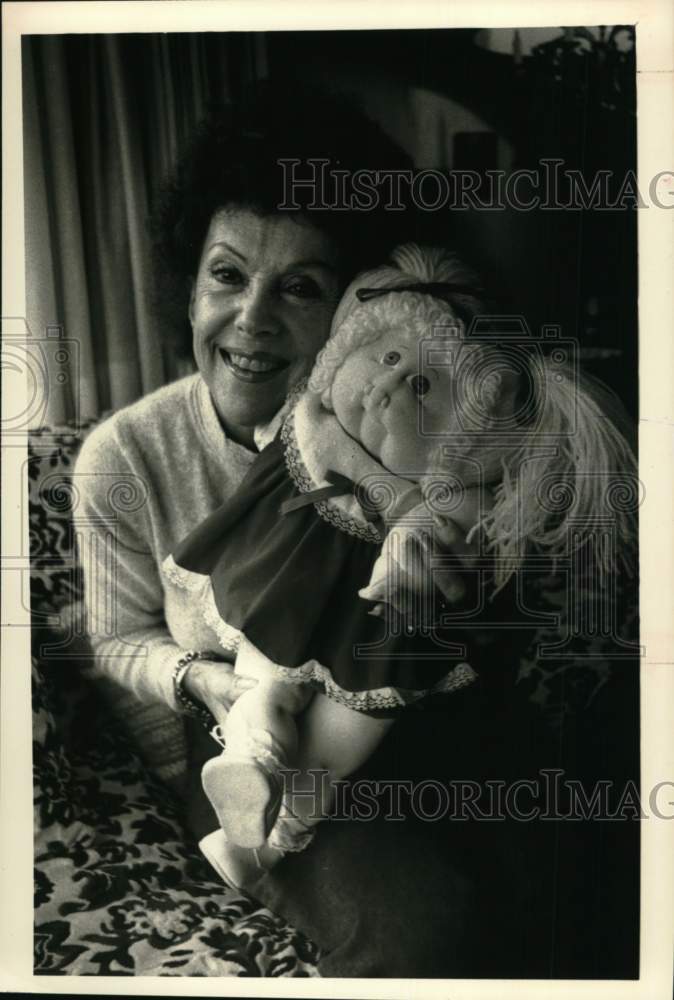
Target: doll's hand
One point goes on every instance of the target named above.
(214, 684)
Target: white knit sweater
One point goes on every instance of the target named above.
(146, 477)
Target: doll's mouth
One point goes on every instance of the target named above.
(256, 367)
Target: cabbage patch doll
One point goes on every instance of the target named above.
(321, 572)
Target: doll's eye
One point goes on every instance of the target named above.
(419, 385)
(391, 358)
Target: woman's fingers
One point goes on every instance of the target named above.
(226, 687)
(241, 684)
(449, 536)
(413, 565)
(450, 540)
(450, 584)
(214, 683)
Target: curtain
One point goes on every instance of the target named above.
(104, 119)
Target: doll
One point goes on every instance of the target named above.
(319, 573)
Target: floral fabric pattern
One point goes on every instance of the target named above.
(119, 889)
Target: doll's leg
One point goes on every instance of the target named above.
(244, 784)
(334, 741)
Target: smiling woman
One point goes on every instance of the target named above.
(259, 288)
(260, 309)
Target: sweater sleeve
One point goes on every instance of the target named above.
(124, 597)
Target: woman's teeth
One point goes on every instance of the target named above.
(253, 367)
(253, 364)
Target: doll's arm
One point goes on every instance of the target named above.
(461, 521)
(404, 567)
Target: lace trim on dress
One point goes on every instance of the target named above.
(228, 636)
(314, 672)
(304, 483)
(378, 698)
(198, 583)
(462, 675)
(186, 579)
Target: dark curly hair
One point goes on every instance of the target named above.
(233, 160)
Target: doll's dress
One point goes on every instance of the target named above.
(287, 583)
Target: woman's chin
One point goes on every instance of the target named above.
(249, 404)
(241, 422)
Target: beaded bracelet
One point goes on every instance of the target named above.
(187, 704)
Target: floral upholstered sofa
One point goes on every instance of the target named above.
(119, 887)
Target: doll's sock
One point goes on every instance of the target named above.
(245, 786)
(290, 834)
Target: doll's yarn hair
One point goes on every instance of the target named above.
(557, 455)
(357, 323)
(570, 482)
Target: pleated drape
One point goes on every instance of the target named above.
(104, 120)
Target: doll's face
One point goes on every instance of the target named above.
(383, 400)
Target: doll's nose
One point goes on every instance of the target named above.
(378, 393)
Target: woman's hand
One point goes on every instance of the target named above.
(450, 539)
(404, 569)
(450, 535)
(214, 684)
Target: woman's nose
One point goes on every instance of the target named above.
(257, 314)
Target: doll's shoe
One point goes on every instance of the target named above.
(245, 787)
(238, 867)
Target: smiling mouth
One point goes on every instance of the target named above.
(256, 367)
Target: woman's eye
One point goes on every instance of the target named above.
(226, 275)
(391, 358)
(303, 288)
(419, 385)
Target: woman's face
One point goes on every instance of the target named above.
(260, 310)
